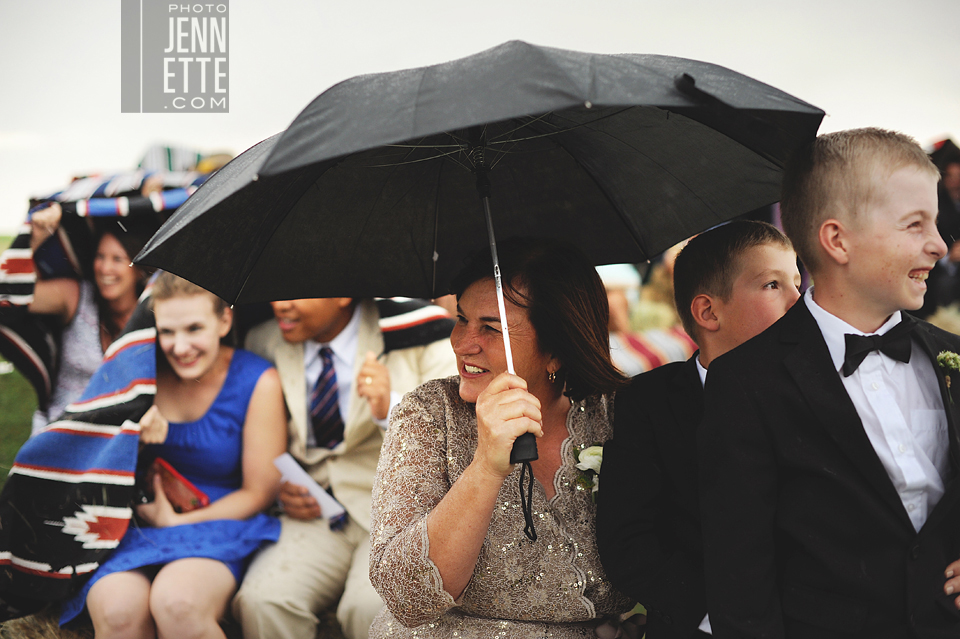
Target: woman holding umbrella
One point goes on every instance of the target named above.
(447, 543)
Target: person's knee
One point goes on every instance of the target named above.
(178, 614)
(118, 618)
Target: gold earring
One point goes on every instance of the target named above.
(551, 376)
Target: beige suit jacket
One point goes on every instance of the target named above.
(350, 467)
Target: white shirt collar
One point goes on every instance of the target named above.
(833, 328)
(344, 345)
(702, 371)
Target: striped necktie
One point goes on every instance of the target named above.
(325, 406)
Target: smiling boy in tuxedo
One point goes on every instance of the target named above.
(730, 283)
(829, 454)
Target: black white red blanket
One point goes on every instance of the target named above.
(29, 341)
(67, 500)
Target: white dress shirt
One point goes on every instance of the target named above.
(902, 413)
(705, 624)
(344, 347)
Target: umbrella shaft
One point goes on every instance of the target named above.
(496, 279)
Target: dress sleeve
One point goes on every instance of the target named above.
(412, 478)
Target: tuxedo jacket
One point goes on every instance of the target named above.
(648, 518)
(804, 533)
(349, 467)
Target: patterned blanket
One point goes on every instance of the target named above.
(66, 503)
(28, 341)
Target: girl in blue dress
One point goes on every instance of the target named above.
(219, 420)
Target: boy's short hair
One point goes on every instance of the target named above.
(710, 263)
(832, 177)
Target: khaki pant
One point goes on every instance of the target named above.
(292, 581)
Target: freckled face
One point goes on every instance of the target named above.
(478, 343)
(896, 244)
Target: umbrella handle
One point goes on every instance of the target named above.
(525, 446)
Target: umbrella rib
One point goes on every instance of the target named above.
(456, 149)
(448, 154)
(514, 141)
(436, 233)
(422, 146)
(542, 118)
(253, 258)
(676, 180)
(533, 120)
(637, 237)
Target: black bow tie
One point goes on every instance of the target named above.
(895, 344)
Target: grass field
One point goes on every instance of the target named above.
(17, 403)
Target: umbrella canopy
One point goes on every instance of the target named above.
(373, 189)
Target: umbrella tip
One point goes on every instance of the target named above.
(256, 176)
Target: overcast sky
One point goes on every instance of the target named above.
(888, 63)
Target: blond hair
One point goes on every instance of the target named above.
(168, 285)
(836, 177)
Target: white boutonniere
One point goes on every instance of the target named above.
(589, 459)
(949, 362)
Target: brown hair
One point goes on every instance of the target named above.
(567, 305)
(168, 285)
(835, 176)
(132, 238)
(710, 263)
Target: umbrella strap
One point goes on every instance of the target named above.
(526, 472)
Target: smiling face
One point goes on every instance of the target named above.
(894, 245)
(189, 332)
(764, 289)
(114, 276)
(478, 343)
(319, 319)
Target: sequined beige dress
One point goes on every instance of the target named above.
(554, 587)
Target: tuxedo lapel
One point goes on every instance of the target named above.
(932, 347)
(811, 367)
(686, 399)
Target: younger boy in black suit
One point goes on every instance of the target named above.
(829, 461)
(730, 283)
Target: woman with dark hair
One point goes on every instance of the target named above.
(92, 314)
(448, 549)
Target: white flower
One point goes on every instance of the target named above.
(590, 458)
(949, 361)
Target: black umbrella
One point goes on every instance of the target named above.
(373, 189)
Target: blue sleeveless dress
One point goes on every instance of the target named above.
(208, 452)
